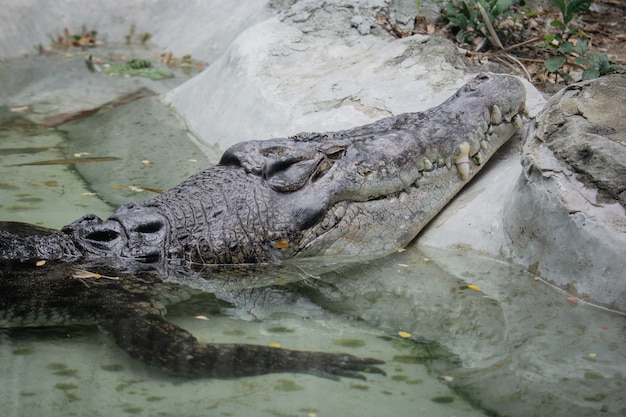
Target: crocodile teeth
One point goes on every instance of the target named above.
(461, 160)
(428, 166)
(496, 115)
(517, 121)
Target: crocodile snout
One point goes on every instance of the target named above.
(133, 232)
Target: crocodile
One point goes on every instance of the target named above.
(349, 195)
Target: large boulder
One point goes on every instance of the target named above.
(318, 66)
(566, 218)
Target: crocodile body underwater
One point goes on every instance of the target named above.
(360, 193)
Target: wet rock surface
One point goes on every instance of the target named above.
(566, 218)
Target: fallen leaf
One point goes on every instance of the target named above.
(69, 161)
(40, 263)
(474, 287)
(574, 300)
(404, 335)
(274, 344)
(19, 109)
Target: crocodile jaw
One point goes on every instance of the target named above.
(382, 225)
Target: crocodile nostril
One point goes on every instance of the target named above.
(149, 227)
(106, 235)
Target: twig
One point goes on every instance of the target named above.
(492, 32)
(517, 45)
(517, 61)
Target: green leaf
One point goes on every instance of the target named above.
(501, 6)
(558, 24)
(575, 7)
(566, 47)
(560, 4)
(591, 73)
(566, 77)
(459, 21)
(552, 64)
(581, 47)
(582, 61)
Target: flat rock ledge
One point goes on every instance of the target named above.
(566, 219)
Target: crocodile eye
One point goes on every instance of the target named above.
(106, 235)
(149, 227)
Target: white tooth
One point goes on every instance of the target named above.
(496, 115)
(461, 160)
(517, 121)
(464, 168)
(428, 166)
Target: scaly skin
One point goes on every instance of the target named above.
(362, 192)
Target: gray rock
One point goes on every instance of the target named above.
(566, 217)
(363, 24)
(309, 70)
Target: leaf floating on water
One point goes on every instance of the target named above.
(201, 317)
(139, 188)
(69, 161)
(152, 189)
(13, 151)
(59, 119)
(404, 335)
(474, 287)
(274, 344)
(51, 184)
(19, 109)
(83, 274)
(573, 300)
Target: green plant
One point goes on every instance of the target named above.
(468, 18)
(569, 43)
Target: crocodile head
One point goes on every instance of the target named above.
(361, 192)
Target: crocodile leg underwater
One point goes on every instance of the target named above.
(362, 192)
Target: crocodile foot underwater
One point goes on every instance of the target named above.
(359, 193)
